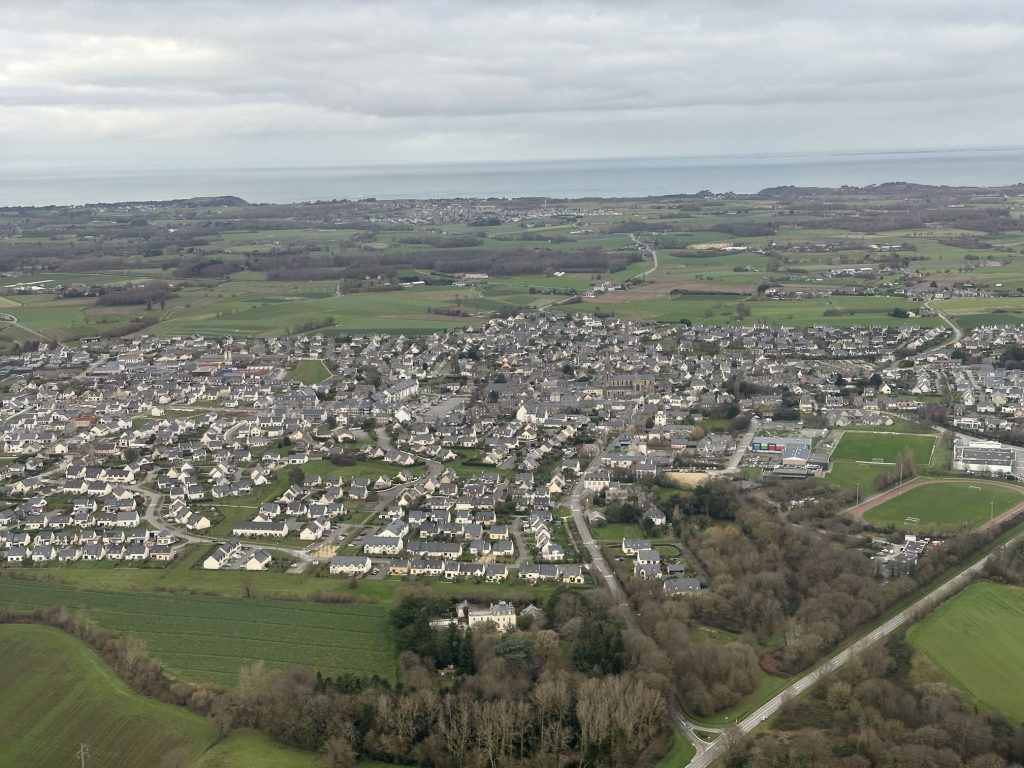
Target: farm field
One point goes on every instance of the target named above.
(207, 639)
(974, 640)
(721, 309)
(59, 693)
(945, 506)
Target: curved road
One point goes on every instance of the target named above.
(7, 317)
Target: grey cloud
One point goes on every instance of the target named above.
(435, 79)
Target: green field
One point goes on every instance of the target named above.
(244, 749)
(852, 457)
(975, 640)
(310, 371)
(58, 694)
(945, 506)
(208, 639)
(616, 532)
(883, 447)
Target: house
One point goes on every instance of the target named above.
(161, 553)
(258, 560)
(681, 586)
(502, 615)
(345, 565)
(634, 546)
(656, 516)
(383, 545)
(220, 556)
(43, 554)
(277, 529)
(648, 557)
(311, 531)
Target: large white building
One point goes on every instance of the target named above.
(984, 457)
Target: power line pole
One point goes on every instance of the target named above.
(83, 752)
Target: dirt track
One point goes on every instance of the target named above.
(858, 511)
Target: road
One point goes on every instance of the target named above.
(654, 255)
(957, 333)
(153, 501)
(715, 750)
(14, 323)
(604, 574)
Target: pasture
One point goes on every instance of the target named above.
(207, 639)
(974, 640)
(945, 506)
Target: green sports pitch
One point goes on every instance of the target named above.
(882, 447)
(945, 506)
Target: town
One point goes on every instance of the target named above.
(490, 453)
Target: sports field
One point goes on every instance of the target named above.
(883, 447)
(208, 639)
(945, 506)
(311, 371)
(975, 640)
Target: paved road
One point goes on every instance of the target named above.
(14, 323)
(654, 255)
(957, 333)
(929, 601)
(604, 574)
(153, 501)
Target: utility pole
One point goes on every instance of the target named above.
(858, 495)
(83, 752)
(991, 510)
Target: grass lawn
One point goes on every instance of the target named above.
(243, 749)
(618, 531)
(58, 693)
(974, 639)
(681, 754)
(311, 371)
(945, 506)
(869, 446)
(207, 639)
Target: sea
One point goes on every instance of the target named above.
(622, 177)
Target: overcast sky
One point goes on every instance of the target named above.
(144, 84)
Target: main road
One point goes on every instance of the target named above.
(604, 574)
(712, 752)
(708, 752)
